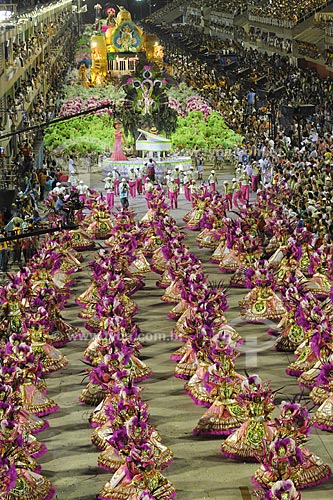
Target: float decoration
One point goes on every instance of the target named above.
(152, 141)
(126, 38)
(146, 100)
(146, 103)
(98, 9)
(114, 50)
(119, 45)
(195, 131)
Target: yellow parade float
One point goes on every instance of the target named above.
(117, 48)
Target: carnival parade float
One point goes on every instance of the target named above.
(122, 93)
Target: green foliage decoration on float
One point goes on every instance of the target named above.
(197, 132)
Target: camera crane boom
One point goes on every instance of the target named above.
(57, 120)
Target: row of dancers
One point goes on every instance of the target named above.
(288, 271)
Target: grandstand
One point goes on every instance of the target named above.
(302, 31)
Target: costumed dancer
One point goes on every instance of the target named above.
(116, 181)
(225, 415)
(173, 191)
(19, 473)
(109, 188)
(138, 478)
(244, 188)
(281, 490)
(228, 194)
(37, 327)
(175, 175)
(186, 184)
(261, 303)
(322, 394)
(132, 182)
(254, 177)
(291, 430)
(139, 180)
(123, 407)
(149, 187)
(256, 400)
(117, 150)
(82, 189)
(212, 223)
(315, 350)
(200, 202)
(101, 225)
(193, 192)
(212, 181)
(321, 391)
(229, 259)
(237, 194)
(289, 332)
(248, 249)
